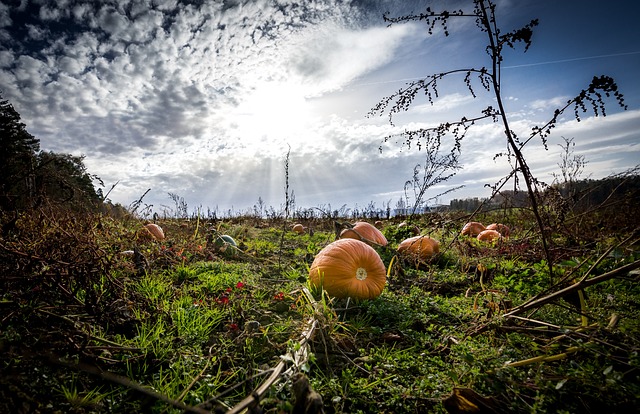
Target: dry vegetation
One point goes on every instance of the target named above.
(180, 325)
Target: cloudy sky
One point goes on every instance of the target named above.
(204, 99)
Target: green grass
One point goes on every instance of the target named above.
(198, 325)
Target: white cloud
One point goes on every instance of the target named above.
(205, 100)
(6, 58)
(32, 72)
(5, 18)
(165, 4)
(49, 13)
(331, 56)
(549, 104)
(447, 103)
(81, 11)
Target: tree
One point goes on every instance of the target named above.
(571, 168)
(63, 178)
(30, 176)
(18, 150)
(489, 77)
(436, 168)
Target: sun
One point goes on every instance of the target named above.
(273, 113)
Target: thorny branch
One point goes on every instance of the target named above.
(485, 17)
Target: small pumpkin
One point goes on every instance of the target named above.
(419, 247)
(156, 231)
(473, 228)
(348, 268)
(489, 235)
(365, 232)
(379, 224)
(413, 228)
(298, 228)
(500, 228)
(143, 235)
(225, 244)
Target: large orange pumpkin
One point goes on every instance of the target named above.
(349, 268)
(419, 247)
(472, 228)
(365, 232)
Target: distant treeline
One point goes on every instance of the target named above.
(580, 195)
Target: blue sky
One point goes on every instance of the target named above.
(205, 99)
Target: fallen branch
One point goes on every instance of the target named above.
(583, 283)
(196, 378)
(298, 356)
(126, 382)
(543, 358)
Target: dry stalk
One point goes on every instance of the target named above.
(583, 283)
(298, 356)
(126, 382)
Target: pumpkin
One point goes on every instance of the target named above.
(489, 235)
(225, 244)
(365, 232)
(419, 247)
(414, 229)
(298, 228)
(472, 228)
(500, 228)
(143, 235)
(379, 224)
(156, 231)
(348, 268)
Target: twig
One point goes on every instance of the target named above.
(126, 382)
(576, 286)
(277, 370)
(544, 358)
(77, 324)
(545, 324)
(195, 379)
(236, 386)
(593, 266)
(298, 356)
(32, 256)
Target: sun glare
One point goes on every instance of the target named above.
(272, 114)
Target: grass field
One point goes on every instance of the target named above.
(98, 316)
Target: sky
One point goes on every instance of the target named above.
(224, 103)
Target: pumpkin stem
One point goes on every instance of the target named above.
(361, 273)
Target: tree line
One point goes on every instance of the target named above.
(578, 196)
(31, 177)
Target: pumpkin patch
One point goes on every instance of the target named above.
(348, 268)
